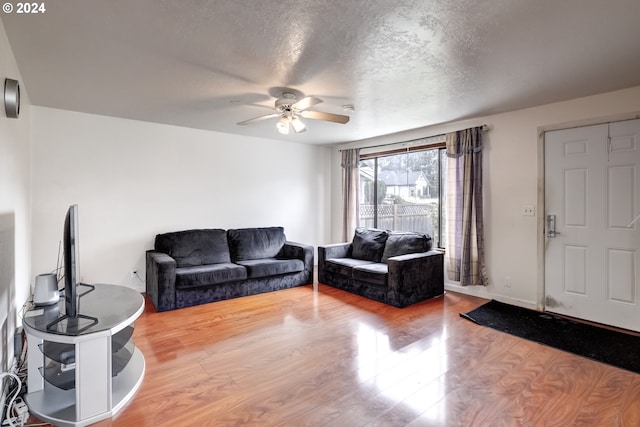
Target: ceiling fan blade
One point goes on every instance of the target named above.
(329, 117)
(305, 103)
(257, 119)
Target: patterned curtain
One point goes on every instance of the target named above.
(465, 224)
(350, 193)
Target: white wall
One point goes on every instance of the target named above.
(132, 180)
(513, 178)
(14, 207)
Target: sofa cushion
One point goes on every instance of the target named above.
(343, 266)
(368, 244)
(271, 267)
(256, 243)
(372, 273)
(211, 274)
(195, 247)
(402, 243)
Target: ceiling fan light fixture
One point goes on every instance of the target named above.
(297, 124)
(283, 125)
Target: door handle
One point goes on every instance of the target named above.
(551, 226)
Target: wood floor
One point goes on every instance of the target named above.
(323, 357)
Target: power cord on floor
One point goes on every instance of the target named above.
(15, 412)
(15, 406)
(22, 413)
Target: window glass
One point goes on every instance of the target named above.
(403, 192)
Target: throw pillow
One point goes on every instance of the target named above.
(368, 244)
(195, 247)
(256, 243)
(400, 243)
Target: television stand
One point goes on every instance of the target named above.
(84, 369)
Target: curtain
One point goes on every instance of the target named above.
(465, 225)
(350, 192)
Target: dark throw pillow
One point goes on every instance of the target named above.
(368, 244)
(256, 243)
(402, 243)
(195, 247)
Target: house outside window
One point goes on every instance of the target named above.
(403, 190)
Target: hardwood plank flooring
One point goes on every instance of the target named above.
(318, 356)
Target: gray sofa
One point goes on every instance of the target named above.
(395, 268)
(193, 267)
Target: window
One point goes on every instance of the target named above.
(403, 191)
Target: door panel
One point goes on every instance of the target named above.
(621, 192)
(576, 183)
(575, 269)
(592, 186)
(621, 275)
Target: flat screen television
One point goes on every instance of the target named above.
(71, 263)
(71, 252)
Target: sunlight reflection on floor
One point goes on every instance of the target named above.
(410, 378)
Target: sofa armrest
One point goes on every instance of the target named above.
(293, 250)
(325, 252)
(336, 250)
(415, 277)
(161, 280)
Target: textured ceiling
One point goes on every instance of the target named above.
(403, 64)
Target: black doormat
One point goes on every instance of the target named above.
(601, 344)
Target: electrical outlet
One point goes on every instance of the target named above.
(134, 273)
(529, 210)
(507, 282)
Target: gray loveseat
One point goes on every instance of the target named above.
(395, 268)
(193, 267)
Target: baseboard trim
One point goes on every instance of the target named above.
(483, 292)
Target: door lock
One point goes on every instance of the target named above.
(551, 226)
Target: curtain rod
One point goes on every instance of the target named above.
(484, 128)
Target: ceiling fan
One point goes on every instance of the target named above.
(290, 109)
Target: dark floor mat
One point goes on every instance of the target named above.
(601, 344)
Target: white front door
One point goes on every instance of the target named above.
(592, 191)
